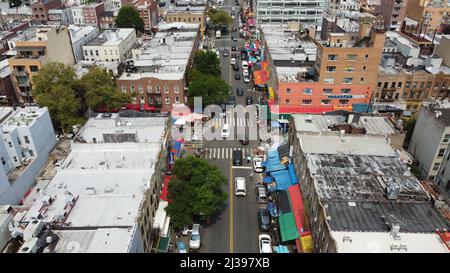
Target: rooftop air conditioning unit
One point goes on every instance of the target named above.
(30, 246)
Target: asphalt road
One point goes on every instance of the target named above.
(235, 229)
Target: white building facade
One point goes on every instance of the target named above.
(27, 137)
(78, 15)
(81, 36)
(308, 12)
(111, 46)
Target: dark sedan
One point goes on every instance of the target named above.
(237, 77)
(264, 220)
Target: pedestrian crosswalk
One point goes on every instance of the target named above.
(228, 39)
(239, 122)
(225, 153)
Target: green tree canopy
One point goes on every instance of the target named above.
(195, 191)
(207, 63)
(53, 88)
(128, 17)
(220, 17)
(100, 90)
(212, 89)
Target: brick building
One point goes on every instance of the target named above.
(40, 9)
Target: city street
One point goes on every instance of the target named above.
(236, 229)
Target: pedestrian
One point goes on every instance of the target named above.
(251, 176)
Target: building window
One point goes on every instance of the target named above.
(361, 79)
(329, 80)
(408, 84)
(327, 90)
(34, 68)
(140, 88)
(331, 69)
(166, 88)
(446, 138)
(176, 88)
(345, 90)
(96, 52)
(288, 90)
(85, 53)
(441, 152)
(436, 166)
(364, 69)
(307, 101)
(15, 158)
(3, 160)
(132, 87)
(349, 68)
(332, 57)
(27, 140)
(347, 80)
(352, 57)
(343, 102)
(287, 101)
(366, 57)
(92, 53)
(149, 88)
(31, 152)
(326, 102)
(307, 91)
(157, 89)
(167, 100)
(379, 84)
(10, 144)
(123, 88)
(177, 100)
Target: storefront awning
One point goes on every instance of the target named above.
(298, 208)
(288, 228)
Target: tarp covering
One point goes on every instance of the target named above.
(272, 208)
(282, 179)
(283, 149)
(268, 179)
(292, 174)
(260, 77)
(163, 244)
(306, 242)
(165, 188)
(288, 228)
(281, 249)
(298, 208)
(282, 200)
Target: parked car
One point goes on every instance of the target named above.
(233, 48)
(264, 220)
(261, 194)
(226, 131)
(265, 243)
(257, 165)
(239, 91)
(237, 77)
(245, 72)
(232, 61)
(235, 67)
(195, 238)
(234, 38)
(249, 100)
(240, 188)
(246, 79)
(225, 53)
(232, 100)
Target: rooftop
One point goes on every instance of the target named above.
(77, 32)
(4, 69)
(112, 37)
(118, 129)
(346, 145)
(382, 242)
(321, 123)
(441, 115)
(11, 119)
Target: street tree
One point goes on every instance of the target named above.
(53, 88)
(128, 17)
(212, 89)
(195, 191)
(207, 63)
(220, 17)
(100, 90)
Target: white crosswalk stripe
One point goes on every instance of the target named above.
(226, 153)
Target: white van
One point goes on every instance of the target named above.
(240, 188)
(218, 34)
(244, 65)
(226, 131)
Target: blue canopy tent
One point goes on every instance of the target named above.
(272, 208)
(273, 161)
(268, 179)
(281, 249)
(292, 174)
(282, 180)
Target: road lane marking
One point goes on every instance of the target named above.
(242, 167)
(231, 210)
